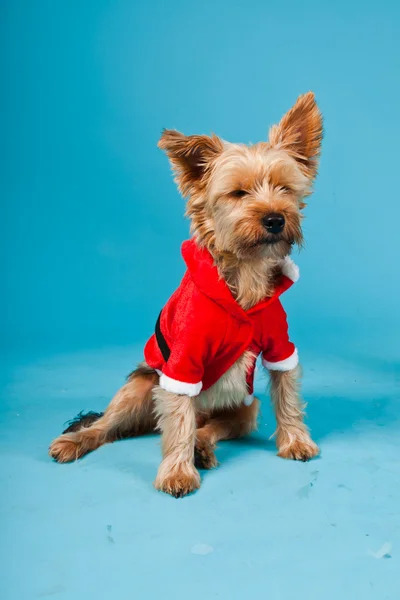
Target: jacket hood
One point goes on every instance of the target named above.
(205, 276)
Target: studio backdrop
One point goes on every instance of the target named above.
(92, 222)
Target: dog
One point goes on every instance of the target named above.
(245, 208)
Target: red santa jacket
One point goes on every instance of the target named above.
(202, 330)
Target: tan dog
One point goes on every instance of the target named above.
(233, 193)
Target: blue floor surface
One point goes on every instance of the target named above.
(259, 527)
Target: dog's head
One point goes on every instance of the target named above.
(243, 200)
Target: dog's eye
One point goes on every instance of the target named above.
(286, 188)
(238, 193)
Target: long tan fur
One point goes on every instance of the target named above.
(292, 435)
(230, 188)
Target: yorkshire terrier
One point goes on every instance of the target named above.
(196, 382)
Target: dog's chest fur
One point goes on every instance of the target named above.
(231, 389)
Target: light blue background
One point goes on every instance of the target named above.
(90, 233)
(92, 221)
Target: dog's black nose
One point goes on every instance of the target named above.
(274, 222)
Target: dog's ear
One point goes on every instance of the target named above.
(191, 157)
(300, 133)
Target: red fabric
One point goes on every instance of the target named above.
(207, 331)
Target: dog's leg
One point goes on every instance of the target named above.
(177, 474)
(292, 436)
(225, 424)
(129, 413)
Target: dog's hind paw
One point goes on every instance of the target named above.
(204, 457)
(63, 449)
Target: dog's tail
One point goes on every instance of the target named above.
(82, 420)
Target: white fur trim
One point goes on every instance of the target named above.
(283, 365)
(180, 387)
(248, 401)
(290, 269)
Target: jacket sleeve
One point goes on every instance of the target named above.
(184, 370)
(280, 354)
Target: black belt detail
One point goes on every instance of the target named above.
(162, 344)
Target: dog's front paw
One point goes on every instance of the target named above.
(182, 480)
(297, 447)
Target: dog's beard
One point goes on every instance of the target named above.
(258, 241)
(269, 246)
